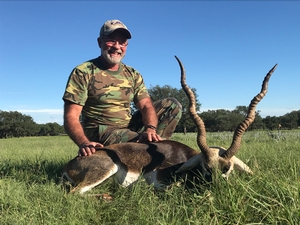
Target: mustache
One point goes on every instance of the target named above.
(114, 51)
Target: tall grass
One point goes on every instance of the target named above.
(32, 192)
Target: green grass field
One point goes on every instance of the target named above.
(32, 192)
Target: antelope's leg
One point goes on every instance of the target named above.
(87, 172)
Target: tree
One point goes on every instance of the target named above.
(220, 120)
(55, 129)
(271, 122)
(290, 120)
(44, 130)
(15, 124)
(209, 119)
(50, 129)
(242, 110)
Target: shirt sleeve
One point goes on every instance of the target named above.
(140, 90)
(76, 88)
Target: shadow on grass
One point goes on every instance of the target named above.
(37, 171)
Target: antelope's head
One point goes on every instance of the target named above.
(216, 157)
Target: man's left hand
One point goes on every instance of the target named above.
(149, 135)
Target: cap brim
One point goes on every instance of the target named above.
(125, 31)
(128, 34)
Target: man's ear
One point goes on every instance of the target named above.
(99, 42)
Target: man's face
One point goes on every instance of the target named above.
(113, 47)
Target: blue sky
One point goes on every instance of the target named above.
(227, 47)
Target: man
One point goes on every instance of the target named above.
(99, 93)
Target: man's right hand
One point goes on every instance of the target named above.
(88, 149)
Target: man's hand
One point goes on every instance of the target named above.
(87, 149)
(149, 135)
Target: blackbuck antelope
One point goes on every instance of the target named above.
(159, 162)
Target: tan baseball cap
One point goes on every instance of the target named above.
(112, 25)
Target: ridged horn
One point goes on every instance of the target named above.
(241, 128)
(201, 134)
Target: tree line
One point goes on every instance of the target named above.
(221, 119)
(16, 124)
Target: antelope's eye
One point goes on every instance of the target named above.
(226, 168)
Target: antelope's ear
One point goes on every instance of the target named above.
(240, 165)
(190, 164)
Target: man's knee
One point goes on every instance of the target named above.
(169, 102)
(175, 102)
(175, 108)
(169, 112)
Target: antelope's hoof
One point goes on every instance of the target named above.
(105, 197)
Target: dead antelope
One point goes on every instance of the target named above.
(159, 162)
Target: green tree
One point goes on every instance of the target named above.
(55, 129)
(15, 124)
(44, 130)
(290, 120)
(271, 122)
(242, 111)
(51, 129)
(209, 119)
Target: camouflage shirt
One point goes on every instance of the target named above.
(105, 95)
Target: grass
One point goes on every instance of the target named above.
(31, 191)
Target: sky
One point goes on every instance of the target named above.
(227, 47)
